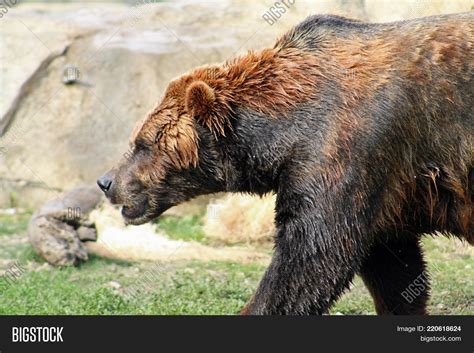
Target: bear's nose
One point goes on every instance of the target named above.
(104, 182)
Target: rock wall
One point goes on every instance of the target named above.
(117, 60)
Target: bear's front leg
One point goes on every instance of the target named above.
(324, 232)
(312, 265)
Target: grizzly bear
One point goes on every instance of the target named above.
(365, 132)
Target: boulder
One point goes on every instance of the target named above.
(57, 231)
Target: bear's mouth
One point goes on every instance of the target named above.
(133, 213)
(139, 212)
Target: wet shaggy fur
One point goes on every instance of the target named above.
(364, 131)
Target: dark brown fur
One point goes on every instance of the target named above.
(364, 131)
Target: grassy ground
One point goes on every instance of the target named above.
(103, 286)
(185, 228)
(14, 224)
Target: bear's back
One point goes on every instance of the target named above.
(316, 31)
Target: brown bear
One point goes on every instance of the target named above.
(364, 131)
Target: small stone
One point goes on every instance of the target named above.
(70, 74)
(115, 285)
(86, 233)
(8, 211)
(43, 267)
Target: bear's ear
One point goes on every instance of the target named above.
(203, 105)
(199, 100)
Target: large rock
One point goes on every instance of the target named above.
(57, 231)
(60, 131)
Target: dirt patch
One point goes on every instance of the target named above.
(146, 242)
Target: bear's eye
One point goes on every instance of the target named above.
(141, 146)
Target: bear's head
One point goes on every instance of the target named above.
(181, 149)
(173, 155)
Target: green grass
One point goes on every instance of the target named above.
(183, 228)
(183, 288)
(451, 267)
(357, 301)
(13, 224)
(107, 287)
